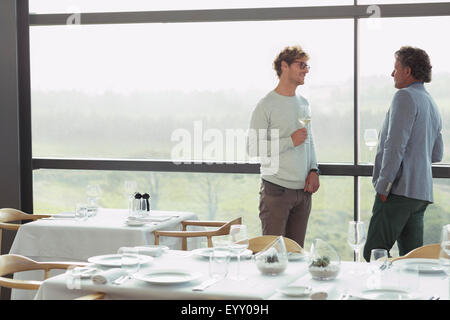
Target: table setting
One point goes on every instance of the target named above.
(63, 237)
(230, 270)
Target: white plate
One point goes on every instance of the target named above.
(297, 256)
(387, 294)
(206, 252)
(114, 260)
(135, 223)
(167, 276)
(295, 291)
(423, 265)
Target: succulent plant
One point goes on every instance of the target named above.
(272, 258)
(322, 261)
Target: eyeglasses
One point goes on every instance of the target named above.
(302, 65)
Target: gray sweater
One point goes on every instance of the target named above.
(275, 119)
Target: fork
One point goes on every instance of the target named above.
(121, 279)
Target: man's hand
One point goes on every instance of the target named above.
(382, 197)
(299, 136)
(312, 182)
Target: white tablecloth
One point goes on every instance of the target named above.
(255, 286)
(66, 239)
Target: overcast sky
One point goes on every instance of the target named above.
(214, 56)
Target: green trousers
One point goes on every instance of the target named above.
(397, 219)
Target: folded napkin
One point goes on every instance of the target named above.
(150, 218)
(108, 276)
(154, 251)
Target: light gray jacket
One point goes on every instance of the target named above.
(410, 141)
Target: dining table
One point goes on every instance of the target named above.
(62, 237)
(351, 283)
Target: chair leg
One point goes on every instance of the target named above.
(210, 244)
(156, 239)
(184, 244)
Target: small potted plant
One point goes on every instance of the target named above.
(324, 262)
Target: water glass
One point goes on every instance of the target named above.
(130, 260)
(238, 244)
(378, 257)
(81, 212)
(218, 262)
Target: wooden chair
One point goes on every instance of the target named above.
(257, 244)
(10, 215)
(429, 251)
(223, 229)
(12, 263)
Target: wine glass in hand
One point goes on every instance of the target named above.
(238, 244)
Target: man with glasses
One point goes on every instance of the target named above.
(283, 117)
(410, 141)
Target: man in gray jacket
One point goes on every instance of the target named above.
(410, 141)
(292, 176)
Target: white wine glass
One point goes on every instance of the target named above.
(238, 244)
(371, 140)
(304, 121)
(356, 237)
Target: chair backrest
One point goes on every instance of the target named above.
(429, 251)
(223, 228)
(12, 263)
(259, 243)
(9, 215)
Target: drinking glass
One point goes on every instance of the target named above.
(130, 187)
(81, 212)
(238, 244)
(371, 140)
(378, 257)
(356, 237)
(93, 194)
(304, 121)
(130, 260)
(218, 262)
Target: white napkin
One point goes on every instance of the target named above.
(150, 219)
(108, 276)
(148, 251)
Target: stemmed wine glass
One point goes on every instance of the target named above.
(130, 187)
(238, 244)
(93, 192)
(356, 237)
(371, 140)
(304, 121)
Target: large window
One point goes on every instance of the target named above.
(108, 94)
(136, 87)
(377, 63)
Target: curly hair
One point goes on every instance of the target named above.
(418, 60)
(289, 55)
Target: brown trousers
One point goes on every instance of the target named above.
(284, 211)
